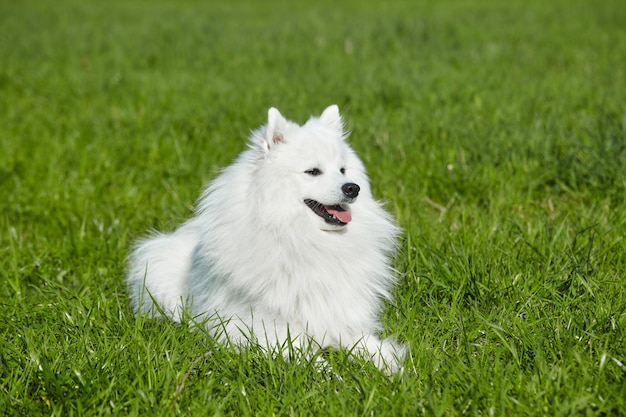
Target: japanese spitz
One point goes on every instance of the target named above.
(287, 248)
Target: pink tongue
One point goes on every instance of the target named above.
(342, 215)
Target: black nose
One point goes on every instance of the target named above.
(350, 189)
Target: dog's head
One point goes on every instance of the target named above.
(313, 164)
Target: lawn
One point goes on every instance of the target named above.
(495, 131)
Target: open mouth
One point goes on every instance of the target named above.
(335, 215)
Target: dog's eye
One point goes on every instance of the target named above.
(313, 171)
(342, 170)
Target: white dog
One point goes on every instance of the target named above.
(287, 243)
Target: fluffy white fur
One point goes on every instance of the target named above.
(257, 264)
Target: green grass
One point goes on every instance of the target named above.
(496, 132)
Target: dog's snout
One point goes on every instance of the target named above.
(350, 189)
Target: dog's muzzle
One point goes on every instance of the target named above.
(336, 214)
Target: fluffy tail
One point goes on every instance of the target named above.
(158, 272)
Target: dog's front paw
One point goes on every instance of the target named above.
(387, 354)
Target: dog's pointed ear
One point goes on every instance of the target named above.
(275, 130)
(331, 118)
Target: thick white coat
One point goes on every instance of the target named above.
(257, 264)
